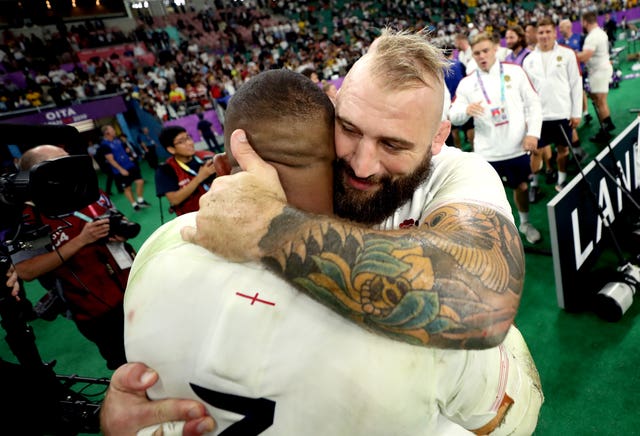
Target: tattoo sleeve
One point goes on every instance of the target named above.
(453, 282)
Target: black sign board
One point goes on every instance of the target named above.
(578, 230)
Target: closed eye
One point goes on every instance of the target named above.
(390, 145)
(349, 129)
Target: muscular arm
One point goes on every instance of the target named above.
(454, 282)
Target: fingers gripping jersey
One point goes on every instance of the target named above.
(269, 360)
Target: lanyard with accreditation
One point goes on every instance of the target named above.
(192, 172)
(498, 113)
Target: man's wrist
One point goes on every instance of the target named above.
(281, 229)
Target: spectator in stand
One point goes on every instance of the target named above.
(192, 96)
(311, 74)
(177, 95)
(56, 73)
(34, 97)
(218, 93)
(22, 102)
(43, 81)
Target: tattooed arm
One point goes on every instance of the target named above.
(454, 282)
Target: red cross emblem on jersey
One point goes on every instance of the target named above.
(255, 299)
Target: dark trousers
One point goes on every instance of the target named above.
(212, 143)
(107, 332)
(108, 172)
(152, 157)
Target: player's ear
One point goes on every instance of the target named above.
(441, 136)
(222, 165)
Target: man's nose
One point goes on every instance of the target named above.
(365, 161)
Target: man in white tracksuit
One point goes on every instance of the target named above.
(555, 74)
(507, 117)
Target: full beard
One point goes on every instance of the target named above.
(372, 208)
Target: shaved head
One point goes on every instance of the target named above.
(39, 154)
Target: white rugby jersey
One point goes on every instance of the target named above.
(268, 360)
(456, 177)
(598, 42)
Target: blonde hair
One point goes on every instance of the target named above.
(482, 36)
(404, 59)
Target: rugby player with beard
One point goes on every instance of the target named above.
(426, 238)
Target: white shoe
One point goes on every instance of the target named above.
(531, 234)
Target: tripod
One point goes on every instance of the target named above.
(36, 400)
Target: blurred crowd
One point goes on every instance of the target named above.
(201, 57)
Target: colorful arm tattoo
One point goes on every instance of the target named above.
(453, 282)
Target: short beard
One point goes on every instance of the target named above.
(369, 209)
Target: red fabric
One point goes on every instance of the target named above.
(101, 282)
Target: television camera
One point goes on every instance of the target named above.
(59, 187)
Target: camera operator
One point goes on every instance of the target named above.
(87, 261)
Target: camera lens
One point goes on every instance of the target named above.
(613, 300)
(127, 229)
